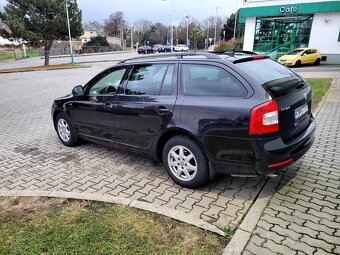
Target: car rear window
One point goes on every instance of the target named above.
(266, 70)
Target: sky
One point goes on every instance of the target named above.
(156, 10)
(153, 10)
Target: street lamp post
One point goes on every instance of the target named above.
(131, 37)
(172, 27)
(187, 30)
(216, 24)
(69, 33)
(235, 21)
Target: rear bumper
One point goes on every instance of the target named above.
(273, 151)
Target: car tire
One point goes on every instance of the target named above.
(185, 162)
(298, 63)
(65, 130)
(317, 62)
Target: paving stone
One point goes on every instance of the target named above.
(286, 232)
(329, 238)
(298, 246)
(268, 235)
(319, 227)
(275, 220)
(205, 202)
(317, 243)
(322, 252)
(265, 225)
(254, 249)
(277, 248)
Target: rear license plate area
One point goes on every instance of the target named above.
(300, 111)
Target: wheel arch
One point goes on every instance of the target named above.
(55, 113)
(175, 132)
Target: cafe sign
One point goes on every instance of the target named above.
(292, 9)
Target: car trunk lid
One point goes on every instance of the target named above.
(294, 97)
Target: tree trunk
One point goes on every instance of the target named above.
(48, 46)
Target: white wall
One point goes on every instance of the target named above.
(249, 33)
(324, 35)
(256, 3)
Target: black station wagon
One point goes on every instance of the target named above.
(198, 113)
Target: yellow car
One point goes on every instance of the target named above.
(301, 56)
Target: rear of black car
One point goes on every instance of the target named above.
(281, 129)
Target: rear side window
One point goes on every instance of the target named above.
(265, 70)
(205, 80)
(150, 79)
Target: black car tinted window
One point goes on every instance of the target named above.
(205, 80)
(167, 82)
(148, 79)
(265, 70)
(108, 84)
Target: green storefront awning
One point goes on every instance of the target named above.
(288, 10)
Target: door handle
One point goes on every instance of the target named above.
(108, 106)
(162, 110)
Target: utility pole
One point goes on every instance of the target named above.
(172, 27)
(235, 25)
(69, 33)
(121, 36)
(217, 7)
(131, 37)
(187, 30)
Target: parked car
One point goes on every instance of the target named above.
(145, 50)
(164, 48)
(156, 47)
(211, 48)
(181, 47)
(199, 114)
(301, 56)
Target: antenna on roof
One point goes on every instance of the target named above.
(235, 47)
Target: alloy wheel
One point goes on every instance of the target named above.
(64, 130)
(182, 163)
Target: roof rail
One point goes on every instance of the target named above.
(233, 53)
(179, 55)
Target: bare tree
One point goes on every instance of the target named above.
(208, 25)
(114, 24)
(142, 27)
(94, 26)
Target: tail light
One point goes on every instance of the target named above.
(264, 118)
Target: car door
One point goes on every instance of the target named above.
(93, 113)
(306, 57)
(145, 107)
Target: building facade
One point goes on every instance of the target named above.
(273, 27)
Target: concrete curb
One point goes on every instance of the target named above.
(174, 214)
(242, 235)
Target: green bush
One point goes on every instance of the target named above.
(230, 45)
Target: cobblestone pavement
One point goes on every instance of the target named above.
(33, 159)
(303, 215)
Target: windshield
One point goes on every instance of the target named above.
(295, 52)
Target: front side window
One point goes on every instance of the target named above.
(108, 83)
(204, 80)
(150, 79)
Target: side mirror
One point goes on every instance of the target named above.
(78, 91)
